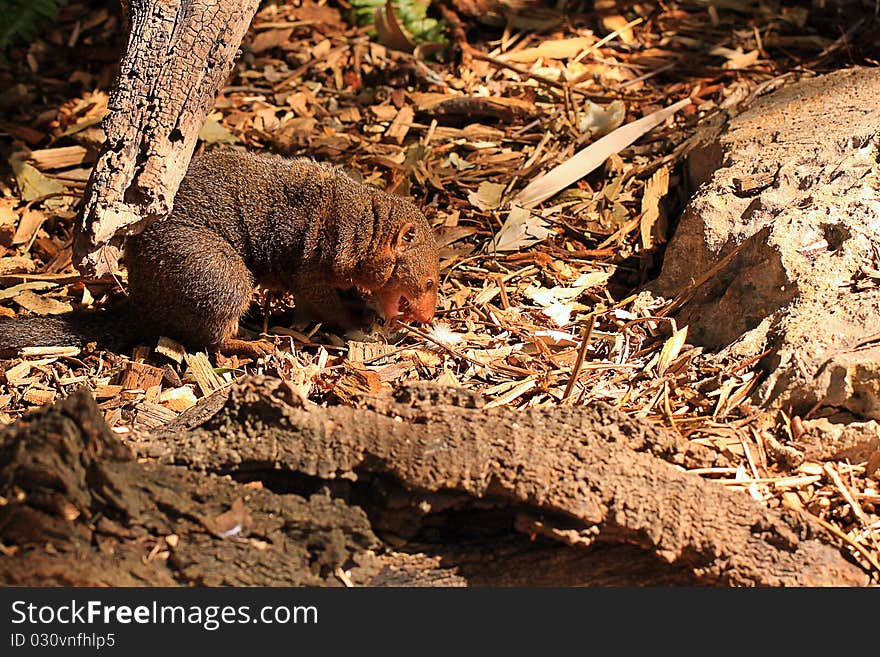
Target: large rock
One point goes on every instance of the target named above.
(793, 185)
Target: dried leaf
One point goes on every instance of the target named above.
(540, 295)
(671, 349)
(18, 374)
(40, 305)
(214, 133)
(514, 393)
(551, 49)
(268, 39)
(33, 185)
(619, 25)
(532, 18)
(82, 125)
(736, 59)
(235, 522)
(588, 159)
(584, 282)
(559, 312)
(15, 290)
(447, 378)
(557, 338)
(521, 229)
(487, 196)
(30, 223)
(389, 30)
(597, 120)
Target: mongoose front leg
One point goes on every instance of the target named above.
(324, 303)
(188, 283)
(255, 349)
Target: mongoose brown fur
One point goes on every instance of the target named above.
(241, 220)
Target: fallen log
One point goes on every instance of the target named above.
(577, 475)
(79, 510)
(422, 489)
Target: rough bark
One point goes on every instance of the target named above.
(576, 475)
(316, 495)
(79, 510)
(179, 54)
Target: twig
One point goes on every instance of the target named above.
(582, 352)
(685, 295)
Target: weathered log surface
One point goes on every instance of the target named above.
(577, 475)
(80, 511)
(179, 54)
(424, 489)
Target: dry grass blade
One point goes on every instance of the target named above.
(585, 161)
(671, 349)
(858, 547)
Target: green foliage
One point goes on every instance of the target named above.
(413, 16)
(23, 19)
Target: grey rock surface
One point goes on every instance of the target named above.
(792, 185)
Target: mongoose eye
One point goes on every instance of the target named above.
(429, 284)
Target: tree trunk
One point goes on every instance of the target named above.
(179, 54)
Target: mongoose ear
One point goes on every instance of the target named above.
(405, 236)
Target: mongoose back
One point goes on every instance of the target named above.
(242, 220)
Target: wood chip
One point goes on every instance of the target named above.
(39, 396)
(200, 371)
(17, 374)
(359, 352)
(139, 376)
(178, 399)
(58, 158)
(39, 352)
(357, 380)
(232, 523)
(401, 124)
(105, 391)
(151, 416)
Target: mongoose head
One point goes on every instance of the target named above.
(408, 291)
